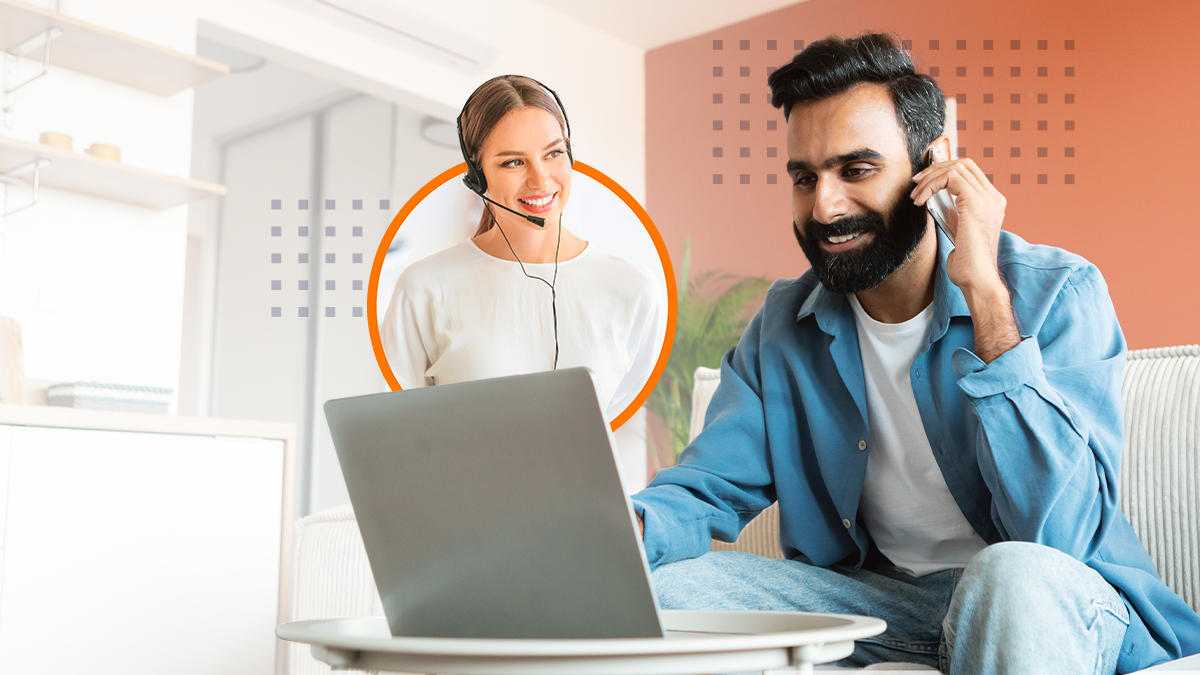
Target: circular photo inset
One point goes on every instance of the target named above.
(457, 296)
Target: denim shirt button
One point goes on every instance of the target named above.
(847, 523)
(862, 445)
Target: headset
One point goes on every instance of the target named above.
(476, 182)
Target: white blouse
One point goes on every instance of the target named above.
(464, 315)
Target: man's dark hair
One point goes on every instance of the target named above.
(834, 65)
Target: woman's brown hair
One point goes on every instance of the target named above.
(489, 104)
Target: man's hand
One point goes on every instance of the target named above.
(980, 208)
(972, 265)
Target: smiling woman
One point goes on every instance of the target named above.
(525, 294)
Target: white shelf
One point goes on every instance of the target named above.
(97, 51)
(105, 178)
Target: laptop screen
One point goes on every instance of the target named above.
(494, 509)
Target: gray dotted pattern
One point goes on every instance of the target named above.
(1031, 68)
(330, 258)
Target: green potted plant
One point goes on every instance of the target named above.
(714, 309)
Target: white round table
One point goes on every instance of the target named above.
(697, 642)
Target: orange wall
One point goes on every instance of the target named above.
(1136, 88)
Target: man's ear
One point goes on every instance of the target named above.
(941, 148)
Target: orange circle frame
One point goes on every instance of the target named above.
(668, 272)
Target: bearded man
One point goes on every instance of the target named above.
(939, 421)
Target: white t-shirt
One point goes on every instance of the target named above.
(905, 503)
(464, 315)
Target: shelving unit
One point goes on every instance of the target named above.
(97, 51)
(100, 52)
(105, 178)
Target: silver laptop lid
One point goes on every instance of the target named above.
(494, 509)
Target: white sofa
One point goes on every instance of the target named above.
(1160, 494)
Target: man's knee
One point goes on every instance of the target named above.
(1020, 576)
(1017, 601)
(1011, 564)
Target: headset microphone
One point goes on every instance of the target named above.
(540, 222)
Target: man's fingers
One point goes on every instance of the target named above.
(956, 176)
(929, 184)
(973, 175)
(969, 179)
(978, 177)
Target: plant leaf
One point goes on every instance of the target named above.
(713, 311)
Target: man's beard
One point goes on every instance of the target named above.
(865, 266)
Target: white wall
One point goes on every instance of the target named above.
(601, 79)
(228, 109)
(284, 368)
(359, 148)
(259, 361)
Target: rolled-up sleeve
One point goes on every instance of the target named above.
(723, 478)
(1050, 426)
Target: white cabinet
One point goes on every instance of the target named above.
(133, 552)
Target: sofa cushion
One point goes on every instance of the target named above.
(1160, 473)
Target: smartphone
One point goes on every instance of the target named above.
(941, 207)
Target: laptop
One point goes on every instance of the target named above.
(494, 509)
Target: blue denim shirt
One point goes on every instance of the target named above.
(1030, 445)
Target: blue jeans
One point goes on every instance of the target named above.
(1016, 608)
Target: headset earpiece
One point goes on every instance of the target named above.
(474, 179)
